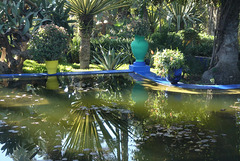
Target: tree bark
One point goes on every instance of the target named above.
(212, 20)
(226, 70)
(84, 51)
(86, 27)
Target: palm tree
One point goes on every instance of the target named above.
(85, 10)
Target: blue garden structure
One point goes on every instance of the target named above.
(139, 68)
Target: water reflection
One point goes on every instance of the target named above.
(97, 132)
(189, 127)
(115, 118)
(139, 96)
(52, 83)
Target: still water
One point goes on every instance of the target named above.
(114, 117)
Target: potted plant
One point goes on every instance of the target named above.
(49, 44)
(169, 64)
(139, 46)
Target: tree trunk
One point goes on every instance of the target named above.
(86, 27)
(212, 20)
(12, 63)
(84, 51)
(226, 70)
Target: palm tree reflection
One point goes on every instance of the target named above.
(97, 132)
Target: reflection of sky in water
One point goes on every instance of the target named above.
(2, 155)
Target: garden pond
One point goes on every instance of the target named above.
(115, 117)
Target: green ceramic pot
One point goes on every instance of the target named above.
(139, 48)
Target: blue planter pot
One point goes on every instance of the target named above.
(174, 76)
(139, 48)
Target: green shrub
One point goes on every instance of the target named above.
(49, 43)
(201, 47)
(73, 52)
(119, 44)
(168, 60)
(165, 40)
(190, 36)
(140, 27)
(189, 42)
(31, 66)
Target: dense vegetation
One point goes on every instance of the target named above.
(189, 30)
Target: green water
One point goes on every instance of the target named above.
(114, 117)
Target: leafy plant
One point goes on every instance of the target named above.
(169, 40)
(74, 45)
(16, 19)
(49, 43)
(140, 27)
(31, 66)
(53, 12)
(168, 60)
(181, 14)
(119, 44)
(153, 17)
(190, 35)
(110, 60)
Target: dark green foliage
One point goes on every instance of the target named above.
(54, 12)
(189, 42)
(190, 36)
(118, 44)
(49, 43)
(140, 27)
(73, 52)
(200, 47)
(106, 41)
(196, 66)
(15, 16)
(165, 40)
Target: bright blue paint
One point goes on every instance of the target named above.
(140, 69)
(64, 73)
(163, 81)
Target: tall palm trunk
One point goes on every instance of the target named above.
(86, 26)
(225, 58)
(84, 51)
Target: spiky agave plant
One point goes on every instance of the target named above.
(182, 14)
(110, 60)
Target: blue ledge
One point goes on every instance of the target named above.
(140, 70)
(64, 73)
(163, 81)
